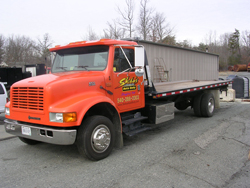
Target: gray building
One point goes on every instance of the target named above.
(171, 63)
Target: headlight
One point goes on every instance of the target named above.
(62, 117)
(7, 111)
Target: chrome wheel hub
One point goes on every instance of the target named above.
(211, 105)
(100, 138)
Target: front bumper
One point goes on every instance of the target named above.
(43, 134)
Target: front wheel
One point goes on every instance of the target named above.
(95, 137)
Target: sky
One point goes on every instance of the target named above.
(69, 20)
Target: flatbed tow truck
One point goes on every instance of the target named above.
(97, 92)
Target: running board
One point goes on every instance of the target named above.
(133, 120)
(132, 124)
(136, 131)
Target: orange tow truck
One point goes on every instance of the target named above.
(98, 91)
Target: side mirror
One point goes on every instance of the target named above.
(139, 71)
(139, 56)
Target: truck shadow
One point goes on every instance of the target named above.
(71, 151)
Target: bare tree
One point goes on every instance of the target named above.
(211, 41)
(245, 39)
(163, 28)
(91, 35)
(145, 19)
(1, 48)
(245, 45)
(19, 50)
(228, 48)
(43, 49)
(223, 50)
(160, 28)
(128, 16)
(154, 31)
(114, 31)
(219, 46)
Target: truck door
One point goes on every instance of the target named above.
(128, 88)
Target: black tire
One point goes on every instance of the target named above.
(29, 141)
(181, 105)
(87, 137)
(197, 105)
(207, 105)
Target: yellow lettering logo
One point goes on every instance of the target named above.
(128, 80)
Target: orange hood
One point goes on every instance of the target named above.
(59, 86)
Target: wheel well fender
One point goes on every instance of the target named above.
(108, 110)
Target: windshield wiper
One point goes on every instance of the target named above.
(82, 67)
(64, 68)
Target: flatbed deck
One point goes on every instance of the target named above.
(172, 88)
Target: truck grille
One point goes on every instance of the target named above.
(28, 98)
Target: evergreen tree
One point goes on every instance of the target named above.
(234, 47)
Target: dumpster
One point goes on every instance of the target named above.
(241, 86)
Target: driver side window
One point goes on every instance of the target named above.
(120, 61)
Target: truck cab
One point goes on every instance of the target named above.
(90, 85)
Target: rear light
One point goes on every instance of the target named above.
(7, 100)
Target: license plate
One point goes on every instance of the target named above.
(26, 131)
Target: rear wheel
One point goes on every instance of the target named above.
(29, 141)
(197, 104)
(95, 137)
(207, 105)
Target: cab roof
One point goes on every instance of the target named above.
(92, 43)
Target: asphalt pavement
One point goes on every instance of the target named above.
(186, 152)
(3, 134)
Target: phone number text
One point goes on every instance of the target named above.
(128, 99)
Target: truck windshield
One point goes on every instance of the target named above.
(91, 58)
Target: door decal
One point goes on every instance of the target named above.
(128, 84)
(129, 88)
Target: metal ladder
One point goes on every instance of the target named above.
(160, 72)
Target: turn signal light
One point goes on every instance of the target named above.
(62, 117)
(69, 117)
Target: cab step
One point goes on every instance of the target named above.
(132, 124)
(133, 120)
(137, 131)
